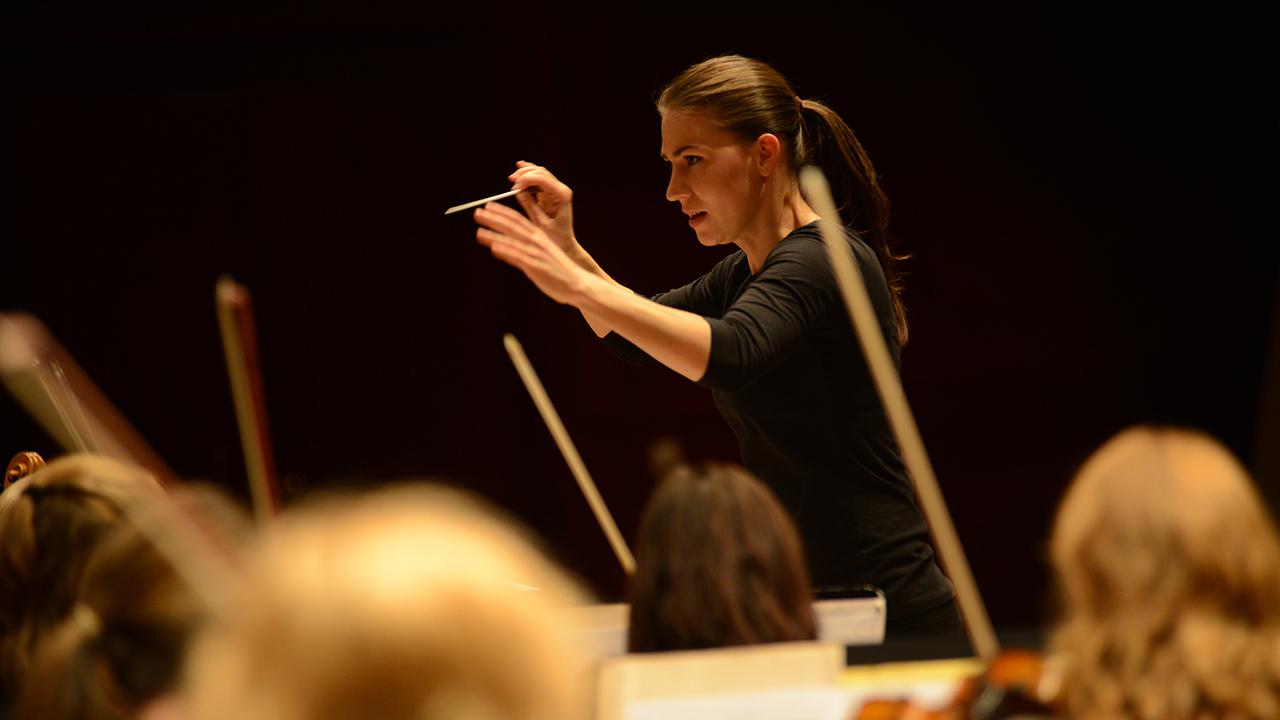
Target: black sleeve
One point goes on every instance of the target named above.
(700, 296)
(625, 350)
(792, 295)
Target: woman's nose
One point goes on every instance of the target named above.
(676, 188)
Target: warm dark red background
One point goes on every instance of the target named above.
(1082, 193)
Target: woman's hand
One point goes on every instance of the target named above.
(549, 210)
(550, 207)
(678, 339)
(526, 246)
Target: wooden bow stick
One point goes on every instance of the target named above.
(240, 345)
(48, 382)
(898, 411)
(569, 451)
(74, 412)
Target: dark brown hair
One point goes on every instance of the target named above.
(718, 563)
(749, 98)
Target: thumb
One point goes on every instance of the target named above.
(531, 206)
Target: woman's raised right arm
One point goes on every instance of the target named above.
(551, 209)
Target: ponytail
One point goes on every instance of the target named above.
(68, 678)
(828, 142)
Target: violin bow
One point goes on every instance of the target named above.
(48, 383)
(52, 387)
(889, 385)
(552, 419)
(240, 346)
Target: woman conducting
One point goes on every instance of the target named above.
(765, 330)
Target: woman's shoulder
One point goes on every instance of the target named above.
(808, 235)
(803, 240)
(806, 243)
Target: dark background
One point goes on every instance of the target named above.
(1082, 194)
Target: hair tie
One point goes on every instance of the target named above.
(87, 619)
(801, 150)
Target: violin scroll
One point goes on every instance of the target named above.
(22, 465)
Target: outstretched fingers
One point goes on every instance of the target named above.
(492, 239)
(521, 256)
(512, 254)
(487, 237)
(504, 220)
(501, 210)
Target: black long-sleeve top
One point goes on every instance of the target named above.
(788, 375)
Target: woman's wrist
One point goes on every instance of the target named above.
(581, 257)
(586, 289)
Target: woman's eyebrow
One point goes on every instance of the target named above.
(676, 153)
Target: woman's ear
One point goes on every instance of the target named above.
(768, 152)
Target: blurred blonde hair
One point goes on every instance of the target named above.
(411, 602)
(50, 523)
(1169, 568)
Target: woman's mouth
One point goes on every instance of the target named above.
(696, 219)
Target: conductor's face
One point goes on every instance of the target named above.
(713, 176)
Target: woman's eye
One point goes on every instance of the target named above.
(692, 160)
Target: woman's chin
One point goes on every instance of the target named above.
(707, 239)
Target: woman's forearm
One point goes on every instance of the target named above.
(678, 339)
(584, 260)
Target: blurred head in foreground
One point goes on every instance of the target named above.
(411, 602)
(1169, 568)
(718, 563)
(50, 524)
(119, 653)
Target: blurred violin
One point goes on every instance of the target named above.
(1018, 684)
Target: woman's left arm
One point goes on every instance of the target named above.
(678, 339)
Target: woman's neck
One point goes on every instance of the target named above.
(775, 221)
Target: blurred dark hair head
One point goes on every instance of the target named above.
(718, 563)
